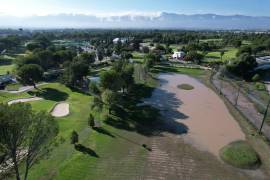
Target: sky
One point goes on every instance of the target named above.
(118, 7)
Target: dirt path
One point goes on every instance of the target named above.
(60, 110)
(22, 100)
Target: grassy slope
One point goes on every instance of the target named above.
(5, 68)
(64, 161)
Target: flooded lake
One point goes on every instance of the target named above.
(208, 124)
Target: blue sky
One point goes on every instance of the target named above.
(42, 7)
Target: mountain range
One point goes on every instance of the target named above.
(160, 21)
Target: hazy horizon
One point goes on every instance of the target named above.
(116, 7)
(170, 14)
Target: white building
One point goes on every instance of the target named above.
(122, 40)
(178, 55)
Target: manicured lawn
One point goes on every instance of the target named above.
(5, 68)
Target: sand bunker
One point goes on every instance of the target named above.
(22, 100)
(60, 110)
(209, 124)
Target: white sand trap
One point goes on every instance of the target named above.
(60, 110)
(209, 124)
(22, 100)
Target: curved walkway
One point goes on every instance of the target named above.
(24, 89)
(22, 100)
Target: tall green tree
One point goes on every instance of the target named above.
(110, 80)
(109, 98)
(74, 73)
(30, 74)
(24, 132)
(242, 66)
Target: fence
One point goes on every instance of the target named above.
(241, 100)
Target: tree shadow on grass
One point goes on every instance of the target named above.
(50, 94)
(155, 115)
(86, 150)
(103, 131)
(212, 57)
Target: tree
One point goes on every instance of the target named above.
(242, 66)
(96, 103)
(30, 74)
(221, 54)
(110, 80)
(194, 56)
(109, 98)
(13, 130)
(257, 48)
(75, 72)
(88, 57)
(237, 43)
(145, 49)
(244, 50)
(93, 88)
(151, 59)
(24, 132)
(91, 121)
(41, 131)
(74, 139)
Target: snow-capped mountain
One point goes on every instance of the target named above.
(161, 20)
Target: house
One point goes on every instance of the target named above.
(178, 55)
(122, 40)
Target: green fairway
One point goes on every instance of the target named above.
(181, 70)
(6, 68)
(176, 47)
(138, 57)
(230, 53)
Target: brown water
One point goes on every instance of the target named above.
(209, 125)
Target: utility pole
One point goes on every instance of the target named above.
(264, 117)
(238, 93)
(221, 85)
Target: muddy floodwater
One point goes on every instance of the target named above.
(207, 124)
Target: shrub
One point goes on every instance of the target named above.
(260, 86)
(256, 78)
